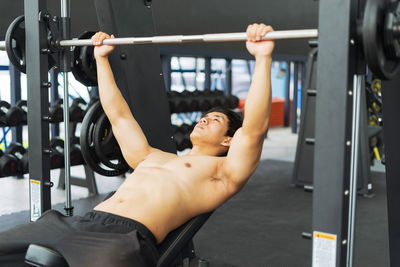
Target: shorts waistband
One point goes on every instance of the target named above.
(110, 218)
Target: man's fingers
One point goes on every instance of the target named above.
(259, 32)
(98, 38)
(256, 31)
(251, 32)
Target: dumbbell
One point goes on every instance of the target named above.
(204, 100)
(8, 165)
(193, 101)
(10, 116)
(77, 109)
(233, 101)
(23, 104)
(19, 152)
(230, 101)
(57, 153)
(177, 102)
(56, 111)
(216, 98)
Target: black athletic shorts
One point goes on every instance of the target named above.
(96, 239)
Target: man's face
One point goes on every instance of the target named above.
(213, 127)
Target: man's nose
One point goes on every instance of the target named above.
(203, 121)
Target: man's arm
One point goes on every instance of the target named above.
(127, 131)
(246, 145)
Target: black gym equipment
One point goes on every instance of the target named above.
(77, 109)
(84, 65)
(57, 153)
(56, 111)
(19, 152)
(23, 104)
(8, 165)
(99, 148)
(380, 33)
(15, 44)
(10, 116)
(197, 100)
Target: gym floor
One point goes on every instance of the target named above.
(260, 226)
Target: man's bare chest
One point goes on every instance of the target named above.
(184, 166)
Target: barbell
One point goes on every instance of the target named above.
(213, 37)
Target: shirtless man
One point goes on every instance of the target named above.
(173, 189)
(165, 190)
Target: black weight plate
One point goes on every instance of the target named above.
(15, 43)
(86, 141)
(378, 61)
(77, 67)
(106, 146)
(89, 63)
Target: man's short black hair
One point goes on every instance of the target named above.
(234, 119)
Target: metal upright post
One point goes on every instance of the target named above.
(336, 143)
(391, 132)
(207, 73)
(166, 67)
(15, 86)
(295, 93)
(38, 106)
(228, 77)
(65, 67)
(55, 127)
(287, 96)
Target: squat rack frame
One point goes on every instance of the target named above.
(340, 66)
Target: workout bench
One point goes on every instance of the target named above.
(171, 250)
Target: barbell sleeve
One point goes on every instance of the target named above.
(213, 37)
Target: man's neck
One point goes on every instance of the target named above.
(204, 150)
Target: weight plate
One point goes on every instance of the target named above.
(89, 63)
(382, 65)
(106, 146)
(80, 57)
(86, 141)
(15, 43)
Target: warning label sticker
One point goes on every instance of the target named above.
(324, 250)
(35, 199)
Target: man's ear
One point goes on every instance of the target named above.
(227, 141)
